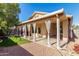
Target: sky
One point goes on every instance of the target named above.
(69, 8)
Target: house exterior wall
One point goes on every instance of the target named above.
(59, 27)
(43, 30)
(44, 33)
(65, 30)
(53, 30)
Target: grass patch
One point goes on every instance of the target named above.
(13, 40)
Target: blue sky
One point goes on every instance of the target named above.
(28, 8)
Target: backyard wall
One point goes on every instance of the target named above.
(76, 31)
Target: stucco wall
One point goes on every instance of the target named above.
(53, 30)
(43, 30)
(65, 29)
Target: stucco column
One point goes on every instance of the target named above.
(24, 31)
(37, 32)
(71, 33)
(28, 26)
(17, 31)
(20, 31)
(48, 24)
(34, 36)
(58, 33)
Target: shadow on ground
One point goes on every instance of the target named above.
(16, 50)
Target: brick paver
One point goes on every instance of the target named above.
(31, 49)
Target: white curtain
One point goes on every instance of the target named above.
(48, 25)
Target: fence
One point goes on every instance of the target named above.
(76, 31)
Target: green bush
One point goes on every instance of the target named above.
(13, 40)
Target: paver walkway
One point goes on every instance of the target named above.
(29, 50)
(67, 50)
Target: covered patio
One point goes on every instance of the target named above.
(48, 29)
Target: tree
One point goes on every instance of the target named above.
(9, 16)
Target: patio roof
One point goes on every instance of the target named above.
(47, 15)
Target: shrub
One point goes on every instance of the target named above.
(76, 48)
